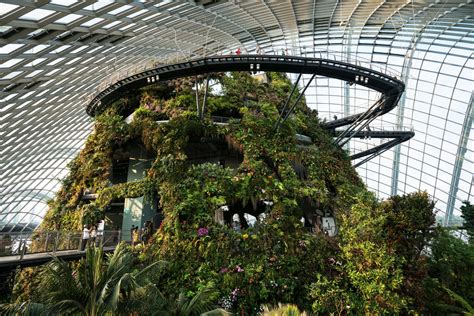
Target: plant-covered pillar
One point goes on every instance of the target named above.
(137, 210)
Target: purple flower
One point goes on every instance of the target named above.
(224, 270)
(203, 231)
(239, 269)
(234, 294)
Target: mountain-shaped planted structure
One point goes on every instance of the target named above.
(259, 214)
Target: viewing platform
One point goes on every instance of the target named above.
(36, 248)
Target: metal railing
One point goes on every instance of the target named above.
(21, 244)
(152, 64)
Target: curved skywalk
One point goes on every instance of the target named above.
(55, 54)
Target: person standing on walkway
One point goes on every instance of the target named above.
(100, 232)
(93, 235)
(85, 237)
(135, 236)
(132, 230)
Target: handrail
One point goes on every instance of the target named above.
(21, 244)
(374, 79)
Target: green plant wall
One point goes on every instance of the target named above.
(275, 261)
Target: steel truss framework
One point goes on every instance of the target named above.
(56, 54)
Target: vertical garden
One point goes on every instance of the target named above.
(386, 258)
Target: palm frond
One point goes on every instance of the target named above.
(216, 312)
(200, 303)
(26, 308)
(468, 309)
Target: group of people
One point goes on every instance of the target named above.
(92, 235)
(142, 235)
(260, 51)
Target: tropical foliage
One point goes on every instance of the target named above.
(467, 211)
(382, 261)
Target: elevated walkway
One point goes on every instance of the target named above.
(35, 259)
(390, 87)
(36, 248)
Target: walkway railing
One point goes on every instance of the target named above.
(152, 72)
(20, 244)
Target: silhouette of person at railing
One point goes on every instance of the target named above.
(85, 237)
(93, 236)
(5, 245)
(100, 232)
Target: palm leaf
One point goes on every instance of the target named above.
(25, 309)
(467, 308)
(216, 312)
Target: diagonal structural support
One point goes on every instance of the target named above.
(277, 124)
(198, 108)
(376, 151)
(297, 100)
(381, 151)
(360, 123)
(399, 137)
(357, 129)
(204, 102)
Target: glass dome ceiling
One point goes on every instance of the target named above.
(55, 55)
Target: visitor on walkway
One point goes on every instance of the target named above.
(135, 236)
(143, 233)
(238, 52)
(93, 235)
(236, 226)
(100, 232)
(132, 230)
(85, 237)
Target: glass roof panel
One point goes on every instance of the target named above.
(7, 49)
(6, 7)
(110, 25)
(10, 62)
(66, 3)
(98, 5)
(36, 15)
(120, 10)
(68, 18)
(37, 48)
(92, 22)
(11, 75)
